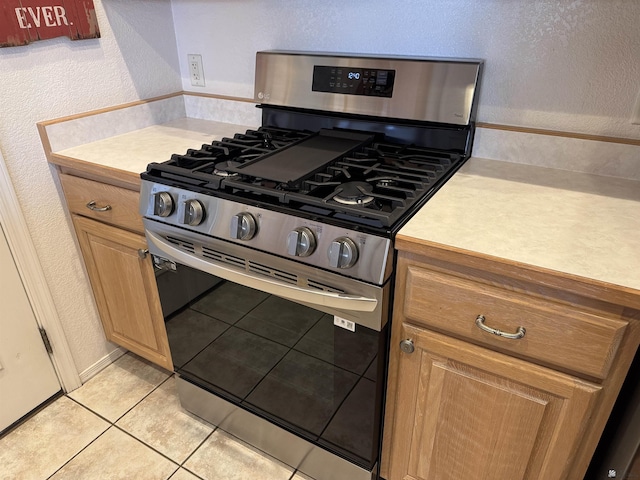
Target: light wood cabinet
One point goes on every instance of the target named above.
(122, 202)
(469, 412)
(121, 273)
(465, 403)
(555, 334)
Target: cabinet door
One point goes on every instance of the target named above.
(463, 411)
(125, 289)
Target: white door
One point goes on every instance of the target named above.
(27, 377)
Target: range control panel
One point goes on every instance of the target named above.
(355, 254)
(353, 81)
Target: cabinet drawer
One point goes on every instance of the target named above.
(122, 203)
(555, 334)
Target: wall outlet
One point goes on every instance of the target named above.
(195, 70)
(635, 115)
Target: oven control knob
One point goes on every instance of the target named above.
(343, 253)
(193, 212)
(243, 226)
(301, 242)
(162, 204)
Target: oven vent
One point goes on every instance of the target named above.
(244, 264)
(212, 254)
(249, 265)
(188, 246)
(321, 286)
(222, 257)
(272, 272)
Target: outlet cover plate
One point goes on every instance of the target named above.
(196, 72)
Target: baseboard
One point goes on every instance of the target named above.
(101, 364)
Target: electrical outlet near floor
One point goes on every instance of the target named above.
(196, 73)
(635, 115)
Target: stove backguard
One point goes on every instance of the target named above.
(420, 89)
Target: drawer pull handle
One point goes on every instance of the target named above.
(92, 206)
(520, 332)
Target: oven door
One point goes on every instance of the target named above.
(299, 347)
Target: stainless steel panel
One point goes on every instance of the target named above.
(273, 229)
(360, 302)
(286, 447)
(426, 89)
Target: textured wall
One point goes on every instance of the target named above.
(135, 58)
(559, 64)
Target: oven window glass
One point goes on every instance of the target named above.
(281, 360)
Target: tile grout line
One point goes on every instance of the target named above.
(128, 410)
(80, 451)
(180, 465)
(187, 470)
(148, 446)
(113, 424)
(117, 427)
(66, 395)
(144, 397)
(89, 410)
(215, 429)
(126, 433)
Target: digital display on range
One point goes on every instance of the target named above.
(353, 81)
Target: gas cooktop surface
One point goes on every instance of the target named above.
(354, 176)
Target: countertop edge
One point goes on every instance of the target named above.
(94, 171)
(588, 287)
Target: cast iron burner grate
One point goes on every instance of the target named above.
(371, 181)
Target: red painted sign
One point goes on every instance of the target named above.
(25, 21)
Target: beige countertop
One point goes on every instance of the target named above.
(132, 152)
(576, 223)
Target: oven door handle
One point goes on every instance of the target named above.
(339, 301)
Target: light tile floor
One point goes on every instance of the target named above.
(127, 423)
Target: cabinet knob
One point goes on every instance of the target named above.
(142, 253)
(407, 346)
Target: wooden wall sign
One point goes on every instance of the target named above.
(25, 21)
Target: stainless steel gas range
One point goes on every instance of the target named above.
(274, 248)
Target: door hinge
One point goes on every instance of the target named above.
(45, 340)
